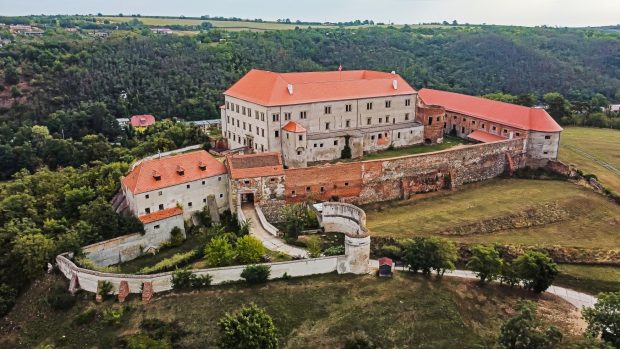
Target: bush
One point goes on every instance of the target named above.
(60, 299)
(508, 275)
(7, 299)
(430, 253)
(219, 252)
(485, 262)
(391, 251)
(334, 250)
(314, 246)
(252, 327)
(249, 250)
(104, 288)
(144, 341)
(170, 263)
(85, 317)
(256, 274)
(113, 315)
(182, 280)
(523, 331)
(359, 340)
(176, 237)
(536, 269)
(201, 281)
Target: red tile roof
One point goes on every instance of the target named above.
(159, 215)
(255, 165)
(194, 165)
(272, 89)
(142, 120)
(294, 127)
(485, 137)
(518, 116)
(385, 261)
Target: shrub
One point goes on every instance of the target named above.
(523, 331)
(249, 250)
(604, 318)
(85, 317)
(391, 251)
(219, 252)
(201, 281)
(485, 262)
(176, 237)
(170, 263)
(536, 269)
(252, 327)
(245, 226)
(256, 274)
(508, 275)
(104, 288)
(182, 280)
(60, 299)
(314, 246)
(334, 250)
(112, 316)
(144, 341)
(359, 340)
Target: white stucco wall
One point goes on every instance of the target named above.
(539, 147)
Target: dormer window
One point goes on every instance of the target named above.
(202, 166)
(180, 170)
(156, 175)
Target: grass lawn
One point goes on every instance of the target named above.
(227, 25)
(448, 142)
(603, 144)
(587, 220)
(407, 311)
(149, 260)
(589, 278)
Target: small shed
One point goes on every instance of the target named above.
(386, 266)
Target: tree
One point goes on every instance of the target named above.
(485, 262)
(34, 250)
(536, 269)
(557, 106)
(294, 218)
(524, 331)
(430, 253)
(250, 328)
(219, 252)
(249, 250)
(11, 76)
(604, 318)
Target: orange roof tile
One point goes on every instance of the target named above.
(271, 89)
(159, 215)
(518, 116)
(142, 120)
(194, 166)
(485, 137)
(255, 165)
(294, 127)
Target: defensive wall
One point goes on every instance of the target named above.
(398, 178)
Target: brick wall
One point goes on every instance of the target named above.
(398, 178)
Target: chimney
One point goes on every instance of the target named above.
(395, 84)
(290, 89)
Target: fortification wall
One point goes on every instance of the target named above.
(343, 218)
(398, 178)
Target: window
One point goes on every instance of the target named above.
(494, 128)
(301, 137)
(482, 126)
(277, 134)
(237, 108)
(189, 204)
(505, 131)
(372, 137)
(250, 127)
(328, 109)
(227, 105)
(276, 117)
(406, 116)
(430, 120)
(299, 152)
(398, 135)
(380, 120)
(221, 196)
(547, 137)
(219, 179)
(262, 132)
(147, 210)
(347, 123)
(462, 129)
(464, 119)
(346, 184)
(262, 116)
(545, 152)
(146, 196)
(369, 106)
(348, 107)
(249, 112)
(388, 104)
(303, 114)
(258, 131)
(307, 188)
(322, 189)
(244, 125)
(473, 121)
(243, 110)
(160, 193)
(315, 145)
(287, 116)
(237, 123)
(380, 136)
(387, 119)
(156, 227)
(368, 121)
(287, 136)
(228, 119)
(256, 114)
(407, 102)
(327, 125)
(204, 200)
(321, 145)
(336, 142)
(439, 118)
(161, 207)
(293, 193)
(517, 134)
(187, 186)
(203, 182)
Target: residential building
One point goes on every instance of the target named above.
(141, 122)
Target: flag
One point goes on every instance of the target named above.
(340, 67)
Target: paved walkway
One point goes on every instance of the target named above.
(575, 298)
(269, 241)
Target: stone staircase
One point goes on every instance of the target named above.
(147, 291)
(123, 291)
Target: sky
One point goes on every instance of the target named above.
(571, 13)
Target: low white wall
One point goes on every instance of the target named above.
(266, 225)
(114, 251)
(88, 279)
(344, 218)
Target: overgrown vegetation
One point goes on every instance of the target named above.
(251, 327)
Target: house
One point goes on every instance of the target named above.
(205, 125)
(141, 122)
(161, 30)
(386, 266)
(484, 120)
(314, 116)
(183, 181)
(20, 28)
(123, 122)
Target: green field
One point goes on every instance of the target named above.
(589, 278)
(319, 312)
(589, 149)
(583, 218)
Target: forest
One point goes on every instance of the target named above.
(62, 151)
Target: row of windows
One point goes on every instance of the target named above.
(187, 186)
(245, 111)
(147, 210)
(321, 189)
(246, 127)
(244, 141)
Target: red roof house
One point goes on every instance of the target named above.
(145, 120)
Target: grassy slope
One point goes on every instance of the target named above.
(603, 144)
(500, 197)
(589, 278)
(406, 311)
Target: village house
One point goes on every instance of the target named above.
(314, 116)
(141, 122)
